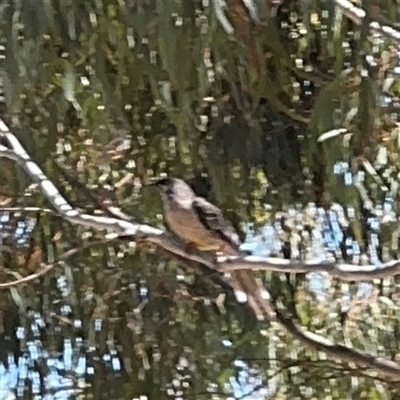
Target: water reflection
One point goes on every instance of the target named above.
(55, 360)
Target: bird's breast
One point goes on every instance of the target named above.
(185, 224)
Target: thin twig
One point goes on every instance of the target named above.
(48, 267)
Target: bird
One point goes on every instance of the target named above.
(203, 226)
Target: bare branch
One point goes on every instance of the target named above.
(344, 272)
(357, 15)
(27, 210)
(118, 227)
(115, 226)
(388, 368)
(121, 228)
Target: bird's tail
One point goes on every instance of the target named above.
(245, 282)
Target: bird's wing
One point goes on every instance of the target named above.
(242, 281)
(211, 217)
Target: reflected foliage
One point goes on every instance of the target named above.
(103, 95)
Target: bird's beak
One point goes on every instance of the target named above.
(151, 181)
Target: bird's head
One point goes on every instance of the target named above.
(164, 184)
(173, 188)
